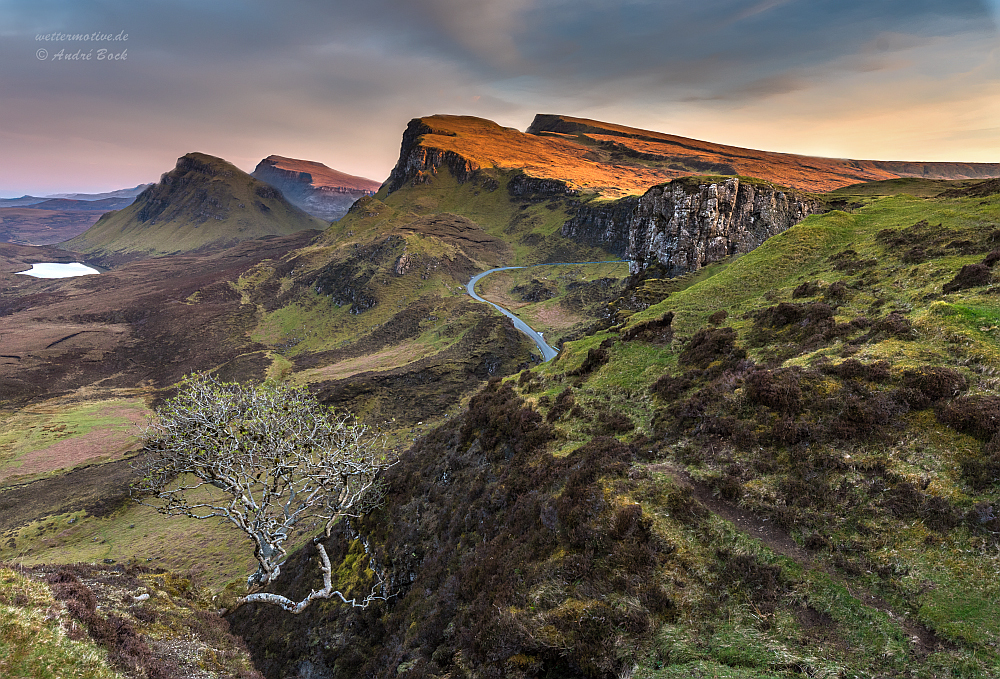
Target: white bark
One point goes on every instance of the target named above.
(328, 592)
(279, 457)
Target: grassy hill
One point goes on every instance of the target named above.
(374, 315)
(204, 203)
(781, 464)
(785, 467)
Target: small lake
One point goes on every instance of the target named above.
(53, 270)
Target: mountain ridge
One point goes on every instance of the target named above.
(613, 161)
(315, 188)
(180, 214)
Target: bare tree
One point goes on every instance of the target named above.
(278, 456)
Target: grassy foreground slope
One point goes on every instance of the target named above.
(92, 622)
(786, 468)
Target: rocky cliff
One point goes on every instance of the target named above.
(417, 160)
(313, 187)
(687, 224)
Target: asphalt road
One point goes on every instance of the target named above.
(548, 353)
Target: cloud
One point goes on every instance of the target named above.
(337, 81)
(759, 8)
(761, 88)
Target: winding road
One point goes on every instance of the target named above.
(548, 353)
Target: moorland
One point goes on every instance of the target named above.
(782, 462)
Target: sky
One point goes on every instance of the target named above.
(336, 81)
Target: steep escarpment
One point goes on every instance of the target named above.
(605, 224)
(313, 187)
(417, 160)
(678, 156)
(687, 224)
(465, 144)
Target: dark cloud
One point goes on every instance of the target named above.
(337, 81)
(759, 89)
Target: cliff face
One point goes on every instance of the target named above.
(606, 225)
(313, 187)
(418, 161)
(684, 226)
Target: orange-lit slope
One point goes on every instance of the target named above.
(465, 144)
(614, 160)
(685, 155)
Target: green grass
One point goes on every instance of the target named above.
(774, 265)
(210, 551)
(33, 643)
(36, 428)
(580, 295)
(914, 186)
(949, 582)
(532, 228)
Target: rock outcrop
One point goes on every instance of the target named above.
(418, 161)
(685, 225)
(313, 187)
(606, 225)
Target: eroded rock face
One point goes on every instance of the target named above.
(684, 226)
(418, 162)
(606, 226)
(313, 187)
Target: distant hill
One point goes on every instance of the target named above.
(204, 203)
(34, 226)
(44, 221)
(122, 196)
(614, 160)
(100, 205)
(23, 201)
(118, 193)
(319, 190)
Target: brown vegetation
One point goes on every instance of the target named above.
(165, 633)
(527, 523)
(32, 226)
